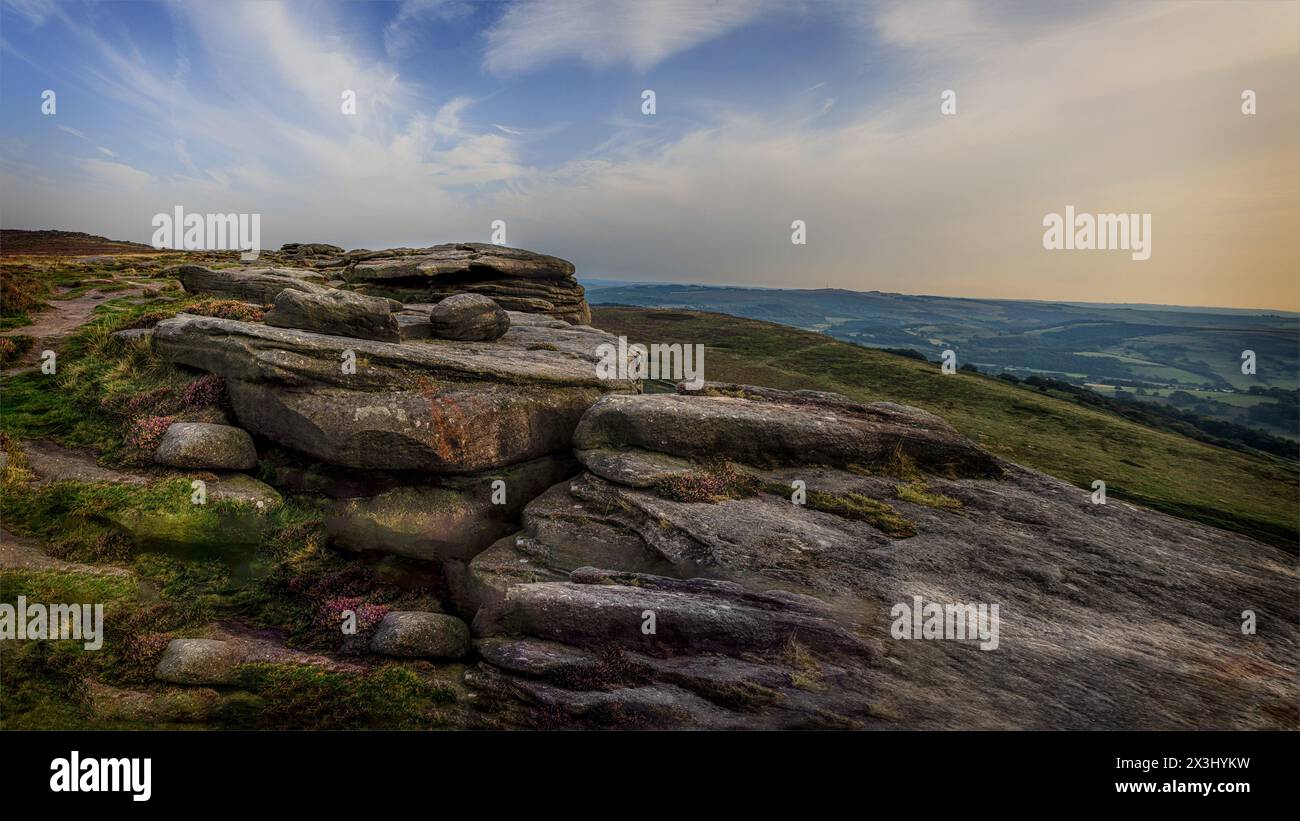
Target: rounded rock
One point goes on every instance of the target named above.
(206, 446)
(413, 634)
(468, 318)
(198, 661)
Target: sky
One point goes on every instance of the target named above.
(766, 112)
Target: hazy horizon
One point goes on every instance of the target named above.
(826, 112)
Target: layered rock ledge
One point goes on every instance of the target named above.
(515, 279)
(676, 583)
(435, 405)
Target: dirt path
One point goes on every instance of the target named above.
(55, 463)
(67, 315)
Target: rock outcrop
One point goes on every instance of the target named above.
(731, 557)
(445, 407)
(515, 279)
(679, 582)
(426, 448)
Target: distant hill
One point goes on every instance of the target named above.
(1155, 354)
(14, 242)
(1046, 430)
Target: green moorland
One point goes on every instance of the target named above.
(1251, 494)
(287, 580)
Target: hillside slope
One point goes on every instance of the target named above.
(1252, 495)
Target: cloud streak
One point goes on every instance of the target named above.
(604, 33)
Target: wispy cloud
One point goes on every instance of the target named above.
(117, 175)
(409, 31)
(607, 32)
(35, 12)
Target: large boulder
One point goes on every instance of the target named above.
(206, 446)
(260, 285)
(435, 405)
(755, 574)
(468, 317)
(340, 313)
(515, 279)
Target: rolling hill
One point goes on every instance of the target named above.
(1255, 495)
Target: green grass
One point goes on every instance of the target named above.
(292, 697)
(88, 402)
(1166, 471)
(874, 512)
(33, 407)
(918, 492)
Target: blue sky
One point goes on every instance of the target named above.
(767, 112)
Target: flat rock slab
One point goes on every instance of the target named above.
(259, 285)
(767, 431)
(54, 463)
(436, 405)
(456, 258)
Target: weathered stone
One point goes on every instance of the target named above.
(253, 284)
(468, 317)
(535, 657)
(412, 634)
(244, 489)
(132, 334)
(515, 279)
(597, 608)
(778, 432)
(634, 467)
(1070, 579)
(198, 661)
(447, 407)
(459, 259)
(340, 313)
(455, 519)
(413, 325)
(310, 249)
(206, 446)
